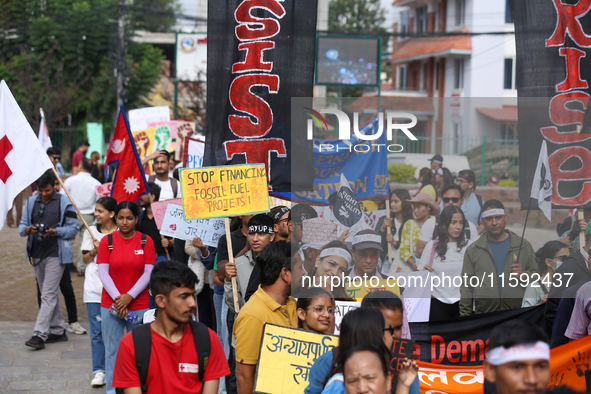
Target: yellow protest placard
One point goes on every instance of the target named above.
(366, 287)
(144, 142)
(213, 192)
(286, 356)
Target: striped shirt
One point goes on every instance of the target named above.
(580, 320)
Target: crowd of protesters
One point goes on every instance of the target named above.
(130, 269)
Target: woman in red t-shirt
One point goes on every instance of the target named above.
(125, 272)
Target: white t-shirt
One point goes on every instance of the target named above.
(82, 188)
(446, 270)
(93, 287)
(426, 233)
(166, 192)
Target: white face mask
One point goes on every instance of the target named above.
(558, 263)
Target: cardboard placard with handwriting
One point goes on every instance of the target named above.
(286, 356)
(173, 225)
(213, 192)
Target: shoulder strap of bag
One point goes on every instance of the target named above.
(143, 241)
(202, 345)
(175, 187)
(110, 237)
(142, 343)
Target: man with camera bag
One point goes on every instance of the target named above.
(49, 220)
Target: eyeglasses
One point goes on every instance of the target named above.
(321, 309)
(455, 200)
(390, 329)
(56, 158)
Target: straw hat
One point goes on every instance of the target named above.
(424, 198)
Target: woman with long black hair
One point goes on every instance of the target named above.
(401, 212)
(125, 260)
(444, 256)
(360, 326)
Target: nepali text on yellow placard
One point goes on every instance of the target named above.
(213, 192)
(366, 287)
(286, 356)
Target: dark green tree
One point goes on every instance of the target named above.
(360, 17)
(356, 16)
(69, 51)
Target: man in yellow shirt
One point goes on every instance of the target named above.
(271, 303)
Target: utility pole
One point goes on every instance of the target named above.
(120, 63)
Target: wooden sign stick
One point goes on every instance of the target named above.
(73, 203)
(231, 260)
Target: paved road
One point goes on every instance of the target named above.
(65, 367)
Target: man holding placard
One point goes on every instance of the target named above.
(271, 303)
(260, 234)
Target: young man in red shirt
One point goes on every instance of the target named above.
(173, 366)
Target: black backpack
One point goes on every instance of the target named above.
(142, 343)
(173, 183)
(110, 237)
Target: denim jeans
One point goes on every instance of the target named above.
(113, 328)
(218, 301)
(97, 346)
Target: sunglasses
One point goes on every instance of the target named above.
(390, 329)
(455, 200)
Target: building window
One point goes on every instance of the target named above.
(460, 12)
(508, 77)
(438, 17)
(436, 77)
(404, 24)
(508, 11)
(402, 76)
(459, 73)
(507, 133)
(424, 76)
(422, 19)
(457, 141)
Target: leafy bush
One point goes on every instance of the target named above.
(507, 183)
(401, 173)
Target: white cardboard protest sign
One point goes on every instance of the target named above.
(341, 309)
(173, 225)
(139, 118)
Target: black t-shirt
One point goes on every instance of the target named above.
(49, 215)
(148, 226)
(238, 243)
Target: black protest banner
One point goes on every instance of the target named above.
(346, 207)
(401, 349)
(553, 73)
(464, 340)
(260, 54)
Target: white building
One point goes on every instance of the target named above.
(470, 76)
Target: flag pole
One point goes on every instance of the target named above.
(388, 230)
(524, 226)
(581, 215)
(73, 203)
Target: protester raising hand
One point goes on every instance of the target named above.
(406, 376)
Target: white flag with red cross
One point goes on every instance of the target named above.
(22, 158)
